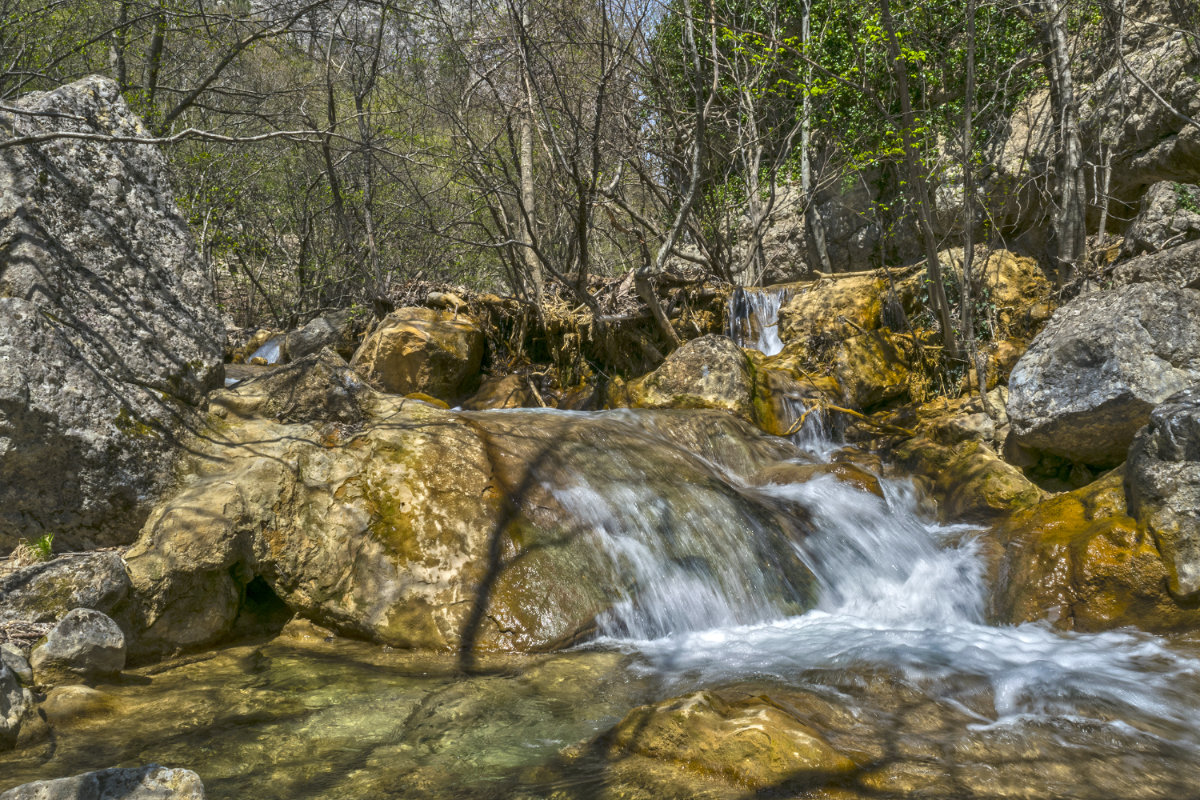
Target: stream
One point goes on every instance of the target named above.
(940, 703)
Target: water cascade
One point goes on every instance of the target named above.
(856, 599)
(270, 351)
(754, 317)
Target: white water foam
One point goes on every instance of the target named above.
(906, 595)
(754, 318)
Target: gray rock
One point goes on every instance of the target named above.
(84, 644)
(1177, 266)
(141, 783)
(335, 331)
(12, 657)
(1162, 483)
(105, 339)
(1090, 379)
(317, 388)
(47, 591)
(16, 703)
(1170, 216)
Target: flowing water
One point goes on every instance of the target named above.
(754, 318)
(940, 703)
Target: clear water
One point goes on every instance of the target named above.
(947, 705)
(754, 318)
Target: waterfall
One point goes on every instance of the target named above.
(754, 318)
(270, 351)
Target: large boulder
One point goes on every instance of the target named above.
(106, 339)
(425, 528)
(1170, 216)
(1090, 379)
(45, 592)
(1176, 266)
(334, 330)
(1163, 484)
(85, 644)
(422, 350)
(136, 783)
(1078, 561)
(709, 372)
(16, 704)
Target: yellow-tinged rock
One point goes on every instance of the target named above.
(747, 740)
(1078, 561)
(422, 350)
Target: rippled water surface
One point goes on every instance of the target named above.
(936, 702)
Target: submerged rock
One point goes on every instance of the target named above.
(1163, 484)
(107, 340)
(422, 350)
(749, 740)
(138, 783)
(1090, 379)
(84, 644)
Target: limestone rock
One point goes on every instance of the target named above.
(1175, 266)
(833, 309)
(1169, 217)
(1091, 377)
(12, 657)
(151, 782)
(426, 528)
(84, 644)
(849, 474)
(422, 350)
(749, 741)
(335, 331)
(1080, 562)
(509, 391)
(709, 372)
(106, 338)
(871, 368)
(1163, 483)
(46, 592)
(16, 703)
(317, 388)
(969, 480)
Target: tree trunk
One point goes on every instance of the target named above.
(814, 226)
(533, 267)
(1070, 233)
(916, 178)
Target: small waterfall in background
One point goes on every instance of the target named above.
(271, 351)
(754, 323)
(754, 318)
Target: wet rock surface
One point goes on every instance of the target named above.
(106, 338)
(425, 528)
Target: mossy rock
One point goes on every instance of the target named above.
(1078, 561)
